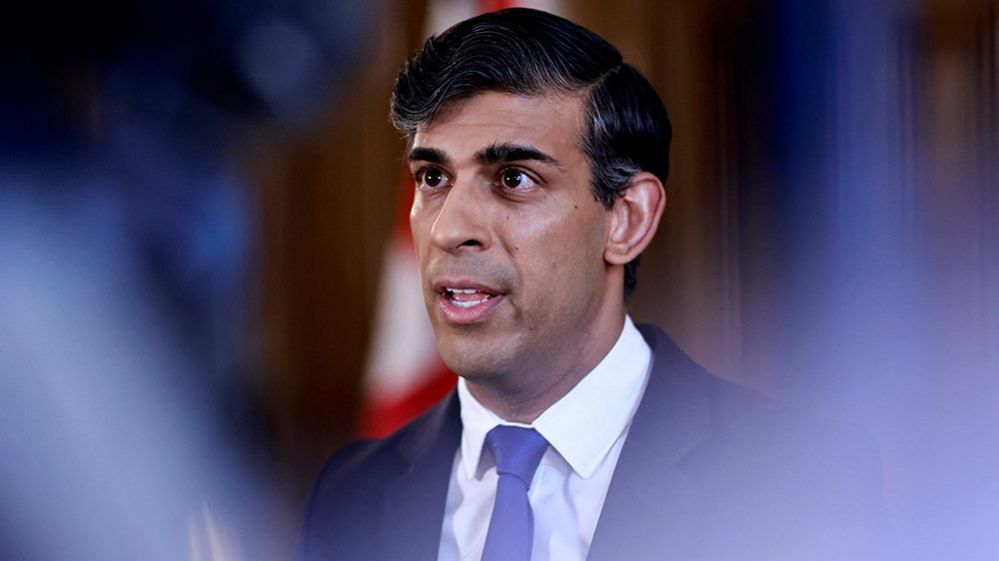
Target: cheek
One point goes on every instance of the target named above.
(421, 220)
(560, 259)
(417, 217)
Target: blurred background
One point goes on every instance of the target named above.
(206, 284)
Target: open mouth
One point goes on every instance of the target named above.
(467, 305)
(467, 297)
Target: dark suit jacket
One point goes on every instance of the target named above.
(709, 471)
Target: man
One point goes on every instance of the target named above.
(539, 160)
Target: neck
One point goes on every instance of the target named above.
(554, 378)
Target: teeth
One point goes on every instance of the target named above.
(466, 297)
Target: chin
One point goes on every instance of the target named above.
(471, 358)
(466, 362)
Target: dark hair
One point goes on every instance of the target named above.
(530, 52)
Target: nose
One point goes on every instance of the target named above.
(460, 224)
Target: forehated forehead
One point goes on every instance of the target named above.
(549, 122)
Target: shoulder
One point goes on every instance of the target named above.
(790, 446)
(363, 466)
(795, 477)
(344, 500)
(767, 471)
(347, 498)
(351, 466)
(736, 421)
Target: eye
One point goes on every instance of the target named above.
(514, 178)
(430, 178)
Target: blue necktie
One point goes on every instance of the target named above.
(518, 452)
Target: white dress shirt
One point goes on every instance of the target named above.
(585, 430)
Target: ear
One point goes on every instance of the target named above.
(634, 218)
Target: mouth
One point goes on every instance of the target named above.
(467, 303)
(467, 297)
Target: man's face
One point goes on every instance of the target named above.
(509, 237)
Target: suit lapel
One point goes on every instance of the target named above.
(414, 503)
(652, 510)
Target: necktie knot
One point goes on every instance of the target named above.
(517, 451)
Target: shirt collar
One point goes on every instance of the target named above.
(581, 426)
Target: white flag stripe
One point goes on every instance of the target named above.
(403, 344)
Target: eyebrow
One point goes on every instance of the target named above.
(432, 155)
(501, 153)
(507, 152)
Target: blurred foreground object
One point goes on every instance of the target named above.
(128, 369)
